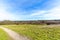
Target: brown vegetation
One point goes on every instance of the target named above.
(48, 22)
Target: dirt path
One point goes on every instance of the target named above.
(13, 34)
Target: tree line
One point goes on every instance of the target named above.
(36, 22)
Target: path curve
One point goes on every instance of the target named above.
(13, 34)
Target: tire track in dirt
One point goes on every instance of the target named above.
(13, 34)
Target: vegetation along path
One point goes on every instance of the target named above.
(13, 34)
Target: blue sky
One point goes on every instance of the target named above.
(29, 9)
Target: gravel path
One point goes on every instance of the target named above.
(13, 34)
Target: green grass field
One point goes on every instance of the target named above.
(4, 35)
(37, 32)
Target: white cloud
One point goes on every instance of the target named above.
(53, 13)
(38, 13)
(4, 14)
(50, 14)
